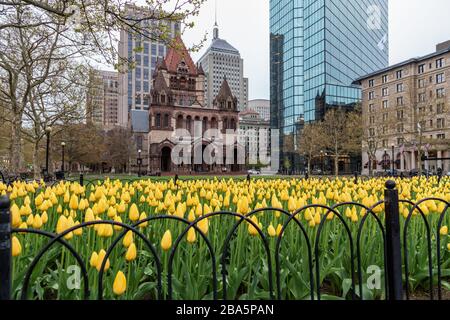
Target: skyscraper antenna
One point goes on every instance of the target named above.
(215, 24)
(216, 27)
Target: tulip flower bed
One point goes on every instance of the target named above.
(131, 273)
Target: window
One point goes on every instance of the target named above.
(421, 83)
(372, 132)
(440, 123)
(440, 93)
(440, 108)
(441, 136)
(400, 128)
(400, 141)
(158, 120)
(440, 63)
(431, 124)
(399, 101)
(371, 107)
(440, 78)
(385, 116)
(385, 104)
(371, 82)
(371, 119)
(400, 87)
(421, 97)
(384, 92)
(399, 74)
(421, 68)
(385, 143)
(385, 78)
(399, 114)
(166, 121)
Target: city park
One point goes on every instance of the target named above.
(247, 236)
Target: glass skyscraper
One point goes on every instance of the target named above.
(318, 48)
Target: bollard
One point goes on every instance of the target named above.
(5, 249)
(81, 179)
(356, 177)
(393, 247)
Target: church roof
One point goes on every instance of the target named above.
(178, 54)
(225, 90)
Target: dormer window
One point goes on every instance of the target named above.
(229, 104)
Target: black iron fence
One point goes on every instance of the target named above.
(396, 271)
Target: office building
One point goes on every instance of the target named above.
(221, 60)
(317, 49)
(135, 83)
(406, 108)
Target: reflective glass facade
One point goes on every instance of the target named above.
(318, 48)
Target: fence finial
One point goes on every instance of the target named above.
(390, 185)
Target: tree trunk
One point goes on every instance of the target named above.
(370, 165)
(36, 164)
(15, 149)
(336, 165)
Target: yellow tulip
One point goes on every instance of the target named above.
(44, 217)
(73, 203)
(166, 242)
(271, 230)
(279, 229)
(16, 247)
(120, 284)
(118, 220)
(16, 220)
(38, 200)
(101, 257)
(444, 231)
(79, 231)
(134, 213)
(131, 253)
(128, 239)
(191, 237)
(37, 222)
(203, 225)
(253, 231)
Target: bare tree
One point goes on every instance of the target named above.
(119, 148)
(340, 134)
(310, 141)
(32, 64)
(100, 22)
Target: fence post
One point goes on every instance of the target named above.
(5, 249)
(393, 245)
(81, 179)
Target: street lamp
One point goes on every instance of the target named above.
(63, 145)
(321, 159)
(393, 157)
(139, 162)
(48, 131)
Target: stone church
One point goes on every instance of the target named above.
(178, 105)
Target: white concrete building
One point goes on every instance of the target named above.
(262, 107)
(254, 134)
(223, 61)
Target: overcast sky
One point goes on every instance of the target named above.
(416, 26)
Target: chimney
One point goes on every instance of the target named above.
(443, 46)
